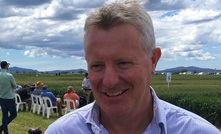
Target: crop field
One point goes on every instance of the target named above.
(200, 85)
(200, 94)
(190, 85)
(57, 84)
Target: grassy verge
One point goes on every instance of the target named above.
(26, 120)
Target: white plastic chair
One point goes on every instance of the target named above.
(39, 103)
(19, 103)
(33, 103)
(47, 106)
(68, 105)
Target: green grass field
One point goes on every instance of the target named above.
(200, 87)
(26, 120)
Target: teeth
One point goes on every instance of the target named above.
(114, 94)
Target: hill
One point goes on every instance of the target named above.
(25, 70)
(21, 70)
(172, 70)
(67, 71)
(189, 69)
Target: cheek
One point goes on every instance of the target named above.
(136, 79)
(140, 78)
(94, 80)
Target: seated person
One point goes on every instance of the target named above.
(71, 94)
(25, 96)
(32, 88)
(38, 89)
(18, 87)
(55, 101)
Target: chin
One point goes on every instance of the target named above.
(116, 109)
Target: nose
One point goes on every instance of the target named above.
(110, 77)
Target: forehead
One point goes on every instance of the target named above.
(117, 35)
(119, 42)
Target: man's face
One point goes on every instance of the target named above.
(7, 66)
(120, 71)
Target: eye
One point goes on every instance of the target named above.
(125, 64)
(97, 67)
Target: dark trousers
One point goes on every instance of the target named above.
(7, 105)
(87, 94)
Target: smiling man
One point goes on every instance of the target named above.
(120, 51)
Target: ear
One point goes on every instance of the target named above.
(155, 57)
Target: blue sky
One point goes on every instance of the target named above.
(47, 35)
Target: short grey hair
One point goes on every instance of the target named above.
(126, 12)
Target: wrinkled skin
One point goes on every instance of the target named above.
(120, 72)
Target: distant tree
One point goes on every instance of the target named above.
(81, 72)
(41, 72)
(195, 72)
(184, 70)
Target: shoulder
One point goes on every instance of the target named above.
(49, 92)
(9, 74)
(180, 120)
(74, 94)
(75, 121)
(65, 95)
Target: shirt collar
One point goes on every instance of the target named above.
(4, 70)
(159, 115)
(93, 118)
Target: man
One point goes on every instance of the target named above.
(120, 51)
(71, 94)
(7, 94)
(25, 96)
(86, 87)
(55, 101)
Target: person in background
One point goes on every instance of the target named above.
(71, 94)
(86, 87)
(38, 89)
(121, 55)
(7, 94)
(32, 88)
(18, 87)
(55, 101)
(25, 96)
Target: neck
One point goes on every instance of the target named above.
(136, 122)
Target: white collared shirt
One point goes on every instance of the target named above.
(168, 119)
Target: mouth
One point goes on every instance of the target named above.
(115, 94)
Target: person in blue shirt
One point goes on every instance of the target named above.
(55, 101)
(121, 55)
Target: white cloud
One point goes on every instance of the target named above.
(54, 28)
(36, 53)
(185, 33)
